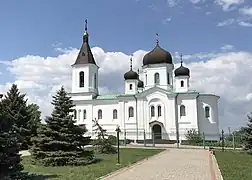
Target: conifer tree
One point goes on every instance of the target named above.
(10, 167)
(60, 142)
(103, 143)
(35, 118)
(248, 135)
(15, 105)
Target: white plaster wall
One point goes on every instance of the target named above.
(89, 71)
(135, 126)
(210, 126)
(178, 80)
(190, 118)
(127, 86)
(82, 96)
(163, 70)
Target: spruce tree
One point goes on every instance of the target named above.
(35, 119)
(10, 167)
(248, 135)
(103, 143)
(15, 105)
(60, 142)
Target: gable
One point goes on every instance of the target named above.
(153, 90)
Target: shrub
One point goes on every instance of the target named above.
(193, 137)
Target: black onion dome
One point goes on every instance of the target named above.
(157, 56)
(140, 84)
(182, 71)
(130, 75)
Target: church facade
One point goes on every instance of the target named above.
(160, 104)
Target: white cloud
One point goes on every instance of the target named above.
(172, 3)
(228, 5)
(227, 47)
(224, 74)
(208, 13)
(226, 22)
(195, 1)
(165, 21)
(245, 24)
(247, 11)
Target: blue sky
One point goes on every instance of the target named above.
(39, 40)
(32, 27)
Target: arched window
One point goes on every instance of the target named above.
(99, 114)
(84, 114)
(159, 111)
(152, 111)
(95, 83)
(156, 78)
(131, 112)
(207, 112)
(81, 79)
(74, 114)
(145, 78)
(182, 83)
(182, 110)
(130, 86)
(168, 78)
(114, 114)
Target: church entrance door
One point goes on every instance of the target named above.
(156, 130)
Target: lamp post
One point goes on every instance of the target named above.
(118, 130)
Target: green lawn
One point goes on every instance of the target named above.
(106, 165)
(234, 165)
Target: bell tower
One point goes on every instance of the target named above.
(85, 70)
(182, 76)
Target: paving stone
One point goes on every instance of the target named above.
(173, 164)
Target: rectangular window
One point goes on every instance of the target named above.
(84, 114)
(168, 78)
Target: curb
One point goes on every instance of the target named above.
(212, 172)
(115, 173)
(214, 168)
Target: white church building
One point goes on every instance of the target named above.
(160, 104)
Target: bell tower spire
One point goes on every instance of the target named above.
(85, 55)
(85, 70)
(85, 36)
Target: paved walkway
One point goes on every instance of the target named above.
(173, 164)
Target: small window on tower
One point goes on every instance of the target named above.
(182, 83)
(130, 86)
(95, 83)
(156, 78)
(83, 54)
(168, 78)
(84, 114)
(81, 79)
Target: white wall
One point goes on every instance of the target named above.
(163, 70)
(89, 71)
(210, 126)
(127, 86)
(194, 119)
(178, 80)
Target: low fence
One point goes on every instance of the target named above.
(199, 140)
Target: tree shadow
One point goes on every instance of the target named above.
(41, 177)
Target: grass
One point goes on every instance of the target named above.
(93, 171)
(234, 165)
